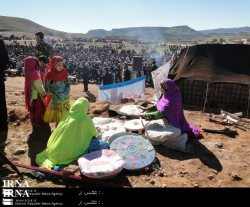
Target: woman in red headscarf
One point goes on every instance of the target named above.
(33, 91)
(58, 89)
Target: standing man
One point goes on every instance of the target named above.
(153, 68)
(42, 48)
(85, 76)
(4, 60)
(44, 68)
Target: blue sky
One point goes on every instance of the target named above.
(83, 15)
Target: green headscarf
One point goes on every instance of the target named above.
(70, 139)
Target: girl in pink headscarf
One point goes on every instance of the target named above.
(33, 91)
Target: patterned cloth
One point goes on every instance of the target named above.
(136, 151)
(101, 164)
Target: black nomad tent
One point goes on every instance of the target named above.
(214, 76)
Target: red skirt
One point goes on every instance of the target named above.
(37, 111)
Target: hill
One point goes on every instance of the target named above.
(21, 26)
(232, 31)
(152, 33)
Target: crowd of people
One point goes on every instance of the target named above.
(90, 63)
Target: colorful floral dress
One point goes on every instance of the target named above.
(59, 103)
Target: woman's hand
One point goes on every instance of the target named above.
(142, 115)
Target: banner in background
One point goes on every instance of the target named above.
(159, 75)
(116, 92)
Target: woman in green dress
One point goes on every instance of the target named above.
(71, 138)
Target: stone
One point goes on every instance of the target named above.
(236, 177)
(124, 100)
(131, 100)
(19, 151)
(161, 174)
(17, 123)
(70, 170)
(215, 172)
(13, 102)
(100, 107)
(211, 177)
(219, 145)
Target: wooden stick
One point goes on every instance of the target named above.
(248, 101)
(7, 161)
(225, 131)
(205, 102)
(233, 116)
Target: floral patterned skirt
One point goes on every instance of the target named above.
(56, 111)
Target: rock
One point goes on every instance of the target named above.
(215, 172)
(182, 174)
(124, 100)
(236, 177)
(164, 186)
(70, 170)
(12, 117)
(220, 145)
(161, 174)
(152, 182)
(17, 123)
(13, 102)
(17, 94)
(11, 176)
(19, 151)
(12, 111)
(22, 92)
(196, 185)
(131, 100)
(18, 113)
(147, 179)
(100, 107)
(211, 177)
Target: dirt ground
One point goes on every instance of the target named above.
(214, 161)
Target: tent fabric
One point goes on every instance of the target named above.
(213, 63)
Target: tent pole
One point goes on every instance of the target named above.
(205, 102)
(187, 52)
(248, 101)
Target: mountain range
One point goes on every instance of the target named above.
(21, 26)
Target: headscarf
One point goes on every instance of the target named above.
(170, 105)
(31, 75)
(71, 138)
(53, 74)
